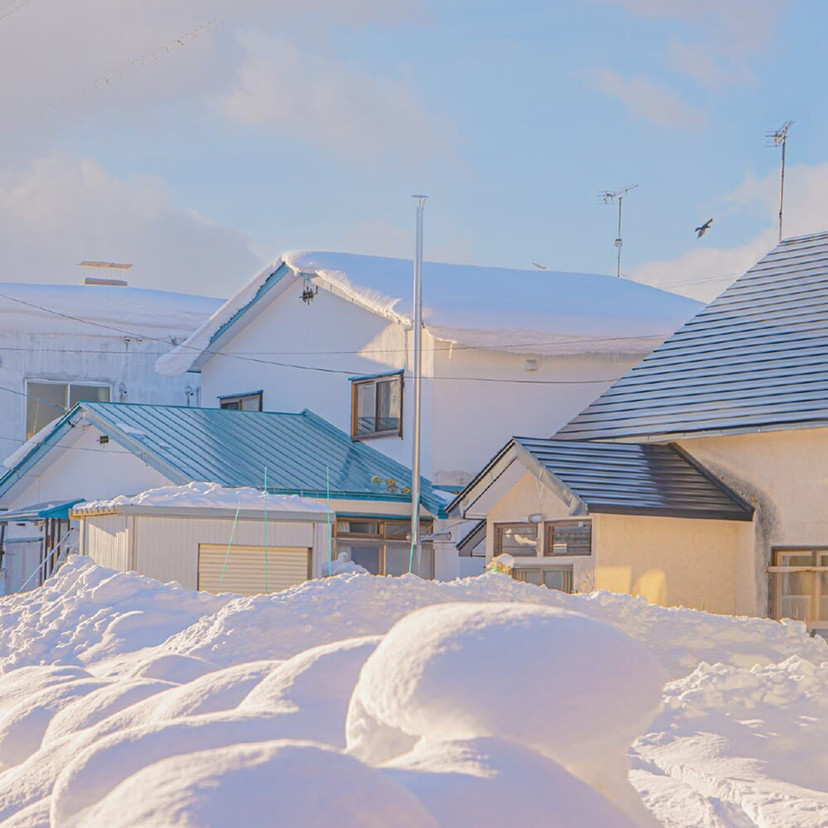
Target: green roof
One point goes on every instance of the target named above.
(301, 453)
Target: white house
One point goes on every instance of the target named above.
(505, 351)
(99, 451)
(63, 344)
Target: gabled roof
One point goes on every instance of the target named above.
(614, 478)
(527, 311)
(755, 359)
(302, 453)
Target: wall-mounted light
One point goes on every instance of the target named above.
(535, 518)
(308, 291)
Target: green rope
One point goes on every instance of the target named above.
(229, 546)
(266, 530)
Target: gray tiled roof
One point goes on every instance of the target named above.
(629, 478)
(754, 359)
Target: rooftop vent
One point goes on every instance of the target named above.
(108, 281)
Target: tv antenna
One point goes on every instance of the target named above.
(780, 139)
(611, 198)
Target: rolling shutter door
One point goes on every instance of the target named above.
(245, 573)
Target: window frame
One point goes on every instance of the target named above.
(518, 573)
(499, 528)
(67, 385)
(240, 398)
(382, 538)
(776, 571)
(549, 527)
(375, 380)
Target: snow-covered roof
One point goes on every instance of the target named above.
(528, 311)
(98, 310)
(201, 495)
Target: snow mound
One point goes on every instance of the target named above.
(278, 782)
(416, 685)
(477, 702)
(207, 495)
(467, 784)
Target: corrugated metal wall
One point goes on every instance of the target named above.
(167, 548)
(106, 540)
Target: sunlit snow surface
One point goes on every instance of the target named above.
(362, 701)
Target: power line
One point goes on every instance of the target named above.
(11, 11)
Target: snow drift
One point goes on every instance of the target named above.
(359, 700)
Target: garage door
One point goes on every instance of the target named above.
(244, 568)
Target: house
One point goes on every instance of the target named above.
(641, 519)
(207, 537)
(740, 391)
(98, 451)
(515, 350)
(63, 344)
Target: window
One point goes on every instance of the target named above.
(46, 401)
(242, 402)
(376, 406)
(567, 537)
(799, 586)
(383, 547)
(553, 577)
(517, 539)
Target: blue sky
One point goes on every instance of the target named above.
(199, 138)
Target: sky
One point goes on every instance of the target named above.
(198, 139)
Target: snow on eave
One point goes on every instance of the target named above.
(182, 358)
(373, 300)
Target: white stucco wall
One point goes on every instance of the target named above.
(111, 360)
(474, 418)
(333, 334)
(80, 467)
(466, 416)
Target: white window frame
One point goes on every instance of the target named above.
(32, 397)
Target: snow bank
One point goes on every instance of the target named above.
(358, 700)
(482, 307)
(199, 495)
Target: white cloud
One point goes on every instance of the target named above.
(329, 102)
(703, 272)
(649, 100)
(59, 62)
(58, 210)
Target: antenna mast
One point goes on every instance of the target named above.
(780, 139)
(611, 198)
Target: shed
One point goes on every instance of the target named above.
(211, 538)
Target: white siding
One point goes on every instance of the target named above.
(167, 547)
(106, 541)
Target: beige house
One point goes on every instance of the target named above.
(742, 391)
(645, 520)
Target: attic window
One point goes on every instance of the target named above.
(242, 402)
(376, 406)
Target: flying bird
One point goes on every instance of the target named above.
(700, 231)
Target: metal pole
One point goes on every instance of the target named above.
(418, 389)
(782, 188)
(618, 241)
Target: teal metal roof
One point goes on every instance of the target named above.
(39, 511)
(303, 453)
